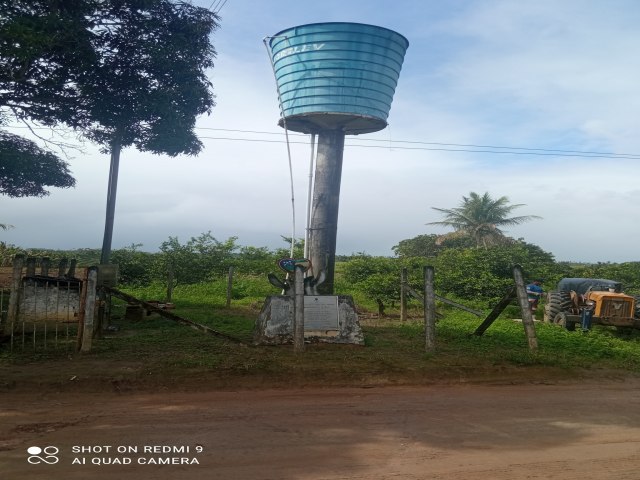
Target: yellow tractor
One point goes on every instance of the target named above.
(591, 301)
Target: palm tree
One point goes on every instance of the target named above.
(481, 218)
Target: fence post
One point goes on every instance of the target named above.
(497, 310)
(62, 266)
(429, 311)
(72, 268)
(229, 286)
(527, 318)
(44, 266)
(31, 266)
(14, 296)
(170, 283)
(89, 299)
(82, 303)
(298, 311)
(403, 294)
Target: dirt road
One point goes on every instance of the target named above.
(570, 431)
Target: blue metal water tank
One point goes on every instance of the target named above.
(337, 75)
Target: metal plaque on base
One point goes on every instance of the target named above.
(321, 313)
(327, 319)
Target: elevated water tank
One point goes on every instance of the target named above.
(337, 75)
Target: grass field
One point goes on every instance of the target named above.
(156, 352)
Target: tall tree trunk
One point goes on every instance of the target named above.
(324, 213)
(105, 256)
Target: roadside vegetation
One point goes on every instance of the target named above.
(154, 352)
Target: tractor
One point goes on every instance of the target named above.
(591, 301)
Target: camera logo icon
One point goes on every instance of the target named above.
(39, 455)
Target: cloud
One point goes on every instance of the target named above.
(547, 75)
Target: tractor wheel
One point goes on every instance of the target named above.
(561, 320)
(556, 302)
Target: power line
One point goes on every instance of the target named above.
(218, 6)
(546, 151)
(554, 153)
(428, 146)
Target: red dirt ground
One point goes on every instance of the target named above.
(583, 430)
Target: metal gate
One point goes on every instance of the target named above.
(48, 315)
(40, 312)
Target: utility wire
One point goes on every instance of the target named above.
(286, 134)
(217, 10)
(428, 146)
(551, 151)
(558, 153)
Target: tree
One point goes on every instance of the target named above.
(486, 274)
(123, 73)
(481, 218)
(44, 48)
(149, 82)
(26, 169)
(377, 277)
(45, 52)
(198, 259)
(429, 245)
(135, 267)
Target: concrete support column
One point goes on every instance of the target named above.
(324, 210)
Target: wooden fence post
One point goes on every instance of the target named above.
(497, 310)
(298, 311)
(170, 284)
(31, 266)
(229, 286)
(527, 318)
(14, 296)
(62, 266)
(403, 294)
(72, 268)
(45, 262)
(89, 299)
(429, 310)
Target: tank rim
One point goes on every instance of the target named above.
(339, 23)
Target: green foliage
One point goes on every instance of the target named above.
(255, 260)
(378, 278)
(44, 54)
(486, 274)
(152, 101)
(481, 218)
(198, 259)
(27, 169)
(134, 72)
(480, 275)
(428, 246)
(298, 248)
(477, 277)
(628, 273)
(122, 72)
(134, 267)
(360, 268)
(7, 252)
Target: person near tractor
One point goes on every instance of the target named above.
(534, 292)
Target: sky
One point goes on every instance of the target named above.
(541, 75)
